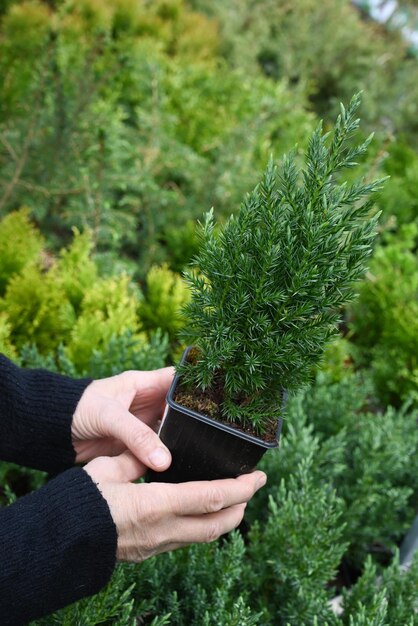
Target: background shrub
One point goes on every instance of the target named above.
(124, 118)
(384, 320)
(26, 247)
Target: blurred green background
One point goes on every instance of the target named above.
(121, 123)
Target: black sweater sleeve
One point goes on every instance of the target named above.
(57, 545)
(36, 410)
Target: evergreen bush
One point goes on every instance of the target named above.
(343, 486)
(165, 295)
(266, 290)
(365, 442)
(384, 320)
(37, 309)
(108, 309)
(27, 245)
(399, 199)
(297, 551)
(182, 244)
(392, 594)
(325, 49)
(123, 118)
(60, 313)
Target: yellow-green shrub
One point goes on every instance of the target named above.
(38, 309)
(31, 18)
(75, 270)
(25, 29)
(337, 362)
(51, 302)
(172, 26)
(6, 346)
(108, 310)
(165, 294)
(20, 244)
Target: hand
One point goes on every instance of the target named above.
(121, 412)
(159, 517)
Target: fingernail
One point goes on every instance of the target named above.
(261, 481)
(159, 457)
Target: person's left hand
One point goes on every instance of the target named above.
(121, 412)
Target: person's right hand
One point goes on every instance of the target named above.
(158, 517)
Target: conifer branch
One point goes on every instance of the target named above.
(267, 288)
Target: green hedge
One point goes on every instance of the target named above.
(325, 50)
(123, 117)
(384, 320)
(60, 312)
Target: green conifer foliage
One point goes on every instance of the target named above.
(266, 290)
(297, 552)
(368, 456)
(165, 295)
(108, 309)
(286, 570)
(396, 588)
(37, 309)
(326, 48)
(129, 351)
(20, 244)
(119, 116)
(399, 200)
(6, 346)
(384, 319)
(75, 270)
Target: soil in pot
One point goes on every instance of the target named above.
(209, 403)
(204, 448)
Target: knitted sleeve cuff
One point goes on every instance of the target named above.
(36, 411)
(57, 545)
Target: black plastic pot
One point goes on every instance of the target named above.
(409, 545)
(204, 449)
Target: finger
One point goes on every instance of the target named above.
(151, 390)
(180, 532)
(157, 380)
(126, 467)
(207, 528)
(90, 449)
(160, 379)
(123, 468)
(143, 442)
(196, 498)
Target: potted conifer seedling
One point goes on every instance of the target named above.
(266, 291)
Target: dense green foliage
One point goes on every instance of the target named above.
(399, 199)
(121, 116)
(60, 313)
(267, 289)
(385, 318)
(325, 50)
(123, 121)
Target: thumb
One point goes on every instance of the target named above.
(139, 438)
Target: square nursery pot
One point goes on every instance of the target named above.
(204, 449)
